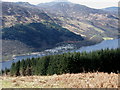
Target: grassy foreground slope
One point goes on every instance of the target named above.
(80, 80)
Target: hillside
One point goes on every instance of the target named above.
(112, 9)
(90, 23)
(21, 20)
(34, 37)
(80, 80)
(22, 12)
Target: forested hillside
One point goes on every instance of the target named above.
(102, 61)
(38, 35)
(35, 37)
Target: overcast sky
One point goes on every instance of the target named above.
(89, 3)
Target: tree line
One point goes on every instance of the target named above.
(101, 61)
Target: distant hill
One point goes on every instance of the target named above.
(52, 3)
(92, 24)
(112, 9)
(82, 20)
(22, 12)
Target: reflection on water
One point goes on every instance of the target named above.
(111, 44)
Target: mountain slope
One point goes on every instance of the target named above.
(111, 9)
(22, 12)
(88, 22)
(92, 24)
(35, 37)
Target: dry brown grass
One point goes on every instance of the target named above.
(81, 80)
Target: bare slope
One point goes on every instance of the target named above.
(88, 22)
